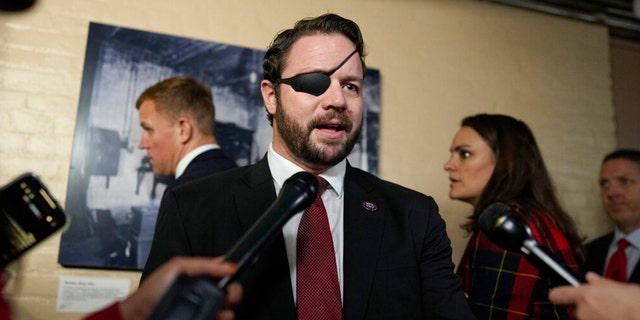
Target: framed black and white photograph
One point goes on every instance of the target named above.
(113, 195)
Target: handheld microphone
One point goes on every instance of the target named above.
(201, 297)
(507, 229)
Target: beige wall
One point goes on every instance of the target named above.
(439, 61)
(625, 82)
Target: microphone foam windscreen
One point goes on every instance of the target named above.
(491, 214)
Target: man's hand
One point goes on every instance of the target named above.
(140, 304)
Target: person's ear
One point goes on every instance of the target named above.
(269, 96)
(185, 128)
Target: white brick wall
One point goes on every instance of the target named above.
(439, 61)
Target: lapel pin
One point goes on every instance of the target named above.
(369, 206)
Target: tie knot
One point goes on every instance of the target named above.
(622, 244)
(322, 185)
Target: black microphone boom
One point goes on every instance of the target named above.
(506, 228)
(201, 297)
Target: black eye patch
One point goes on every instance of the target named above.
(314, 83)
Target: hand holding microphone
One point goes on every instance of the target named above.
(201, 297)
(141, 303)
(507, 229)
(600, 298)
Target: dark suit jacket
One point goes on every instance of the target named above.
(596, 254)
(397, 259)
(205, 164)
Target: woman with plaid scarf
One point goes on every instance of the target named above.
(495, 158)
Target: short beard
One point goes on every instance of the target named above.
(298, 139)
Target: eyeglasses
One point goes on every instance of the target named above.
(315, 83)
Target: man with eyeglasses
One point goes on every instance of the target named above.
(382, 251)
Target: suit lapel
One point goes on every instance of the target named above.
(596, 254)
(256, 195)
(364, 214)
(635, 275)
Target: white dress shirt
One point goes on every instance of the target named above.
(333, 198)
(632, 252)
(184, 162)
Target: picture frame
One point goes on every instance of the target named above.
(113, 196)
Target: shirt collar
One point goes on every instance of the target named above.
(633, 237)
(184, 162)
(282, 169)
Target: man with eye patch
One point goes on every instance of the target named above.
(620, 194)
(385, 253)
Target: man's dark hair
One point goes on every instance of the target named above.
(276, 55)
(629, 154)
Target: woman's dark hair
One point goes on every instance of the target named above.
(520, 177)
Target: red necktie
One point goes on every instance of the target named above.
(317, 287)
(617, 268)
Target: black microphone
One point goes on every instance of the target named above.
(507, 229)
(201, 297)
